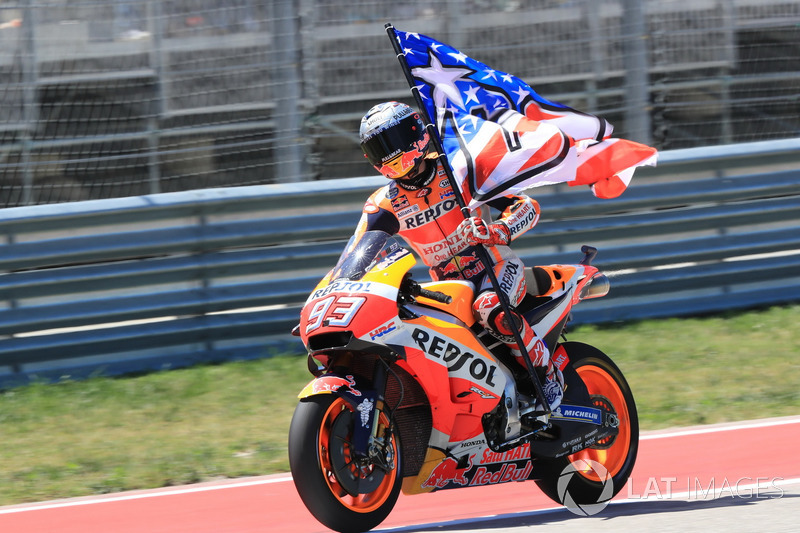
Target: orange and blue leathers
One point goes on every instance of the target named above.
(428, 217)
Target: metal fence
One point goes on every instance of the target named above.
(168, 280)
(102, 99)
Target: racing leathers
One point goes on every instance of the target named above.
(430, 220)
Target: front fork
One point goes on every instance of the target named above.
(370, 440)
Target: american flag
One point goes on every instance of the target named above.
(501, 137)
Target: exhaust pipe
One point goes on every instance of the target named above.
(596, 287)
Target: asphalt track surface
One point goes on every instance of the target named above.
(741, 477)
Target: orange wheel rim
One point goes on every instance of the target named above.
(361, 503)
(601, 384)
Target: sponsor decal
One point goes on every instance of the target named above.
(430, 214)
(392, 193)
(391, 257)
(471, 443)
(342, 286)
(423, 192)
(486, 301)
(519, 453)
(383, 330)
(560, 358)
(446, 194)
(401, 202)
(509, 277)
(365, 408)
(333, 384)
(456, 357)
(579, 414)
(483, 394)
(508, 472)
(444, 250)
(446, 472)
(444, 184)
(522, 219)
(539, 351)
(408, 212)
(459, 263)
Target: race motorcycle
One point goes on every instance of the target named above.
(411, 394)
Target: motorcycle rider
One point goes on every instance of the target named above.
(419, 205)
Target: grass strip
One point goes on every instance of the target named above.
(102, 435)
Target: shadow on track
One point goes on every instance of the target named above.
(549, 517)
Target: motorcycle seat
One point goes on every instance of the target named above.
(538, 281)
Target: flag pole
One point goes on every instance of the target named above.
(483, 254)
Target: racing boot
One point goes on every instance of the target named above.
(553, 384)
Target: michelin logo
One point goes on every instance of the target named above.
(579, 414)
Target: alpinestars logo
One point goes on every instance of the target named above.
(572, 492)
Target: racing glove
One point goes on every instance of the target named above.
(475, 231)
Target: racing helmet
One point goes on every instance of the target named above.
(395, 141)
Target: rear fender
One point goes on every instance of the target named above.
(361, 398)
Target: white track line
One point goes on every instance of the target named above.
(91, 500)
(716, 428)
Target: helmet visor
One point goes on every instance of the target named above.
(391, 142)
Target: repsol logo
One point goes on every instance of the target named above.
(509, 275)
(343, 286)
(454, 357)
(522, 223)
(426, 216)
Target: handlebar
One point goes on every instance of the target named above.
(436, 296)
(413, 288)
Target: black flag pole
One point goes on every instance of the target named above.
(483, 254)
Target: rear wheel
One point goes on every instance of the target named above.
(342, 492)
(584, 481)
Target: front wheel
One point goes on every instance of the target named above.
(586, 480)
(343, 492)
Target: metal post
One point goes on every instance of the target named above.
(287, 114)
(596, 53)
(729, 27)
(452, 21)
(30, 99)
(155, 26)
(634, 46)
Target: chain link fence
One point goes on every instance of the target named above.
(113, 98)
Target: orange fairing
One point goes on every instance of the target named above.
(333, 305)
(560, 276)
(462, 380)
(462, 293)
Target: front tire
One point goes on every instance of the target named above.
(339, 493)
(598, 473)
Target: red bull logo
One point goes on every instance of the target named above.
(333, 384)
(446, 472)
(508, 472)
(459, 263)
(404, 162)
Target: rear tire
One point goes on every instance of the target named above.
(586, 480)
(338, 494)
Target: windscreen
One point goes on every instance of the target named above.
(359, 255)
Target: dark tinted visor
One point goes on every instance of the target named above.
(393, 140)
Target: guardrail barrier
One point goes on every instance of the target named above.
(170, 280)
